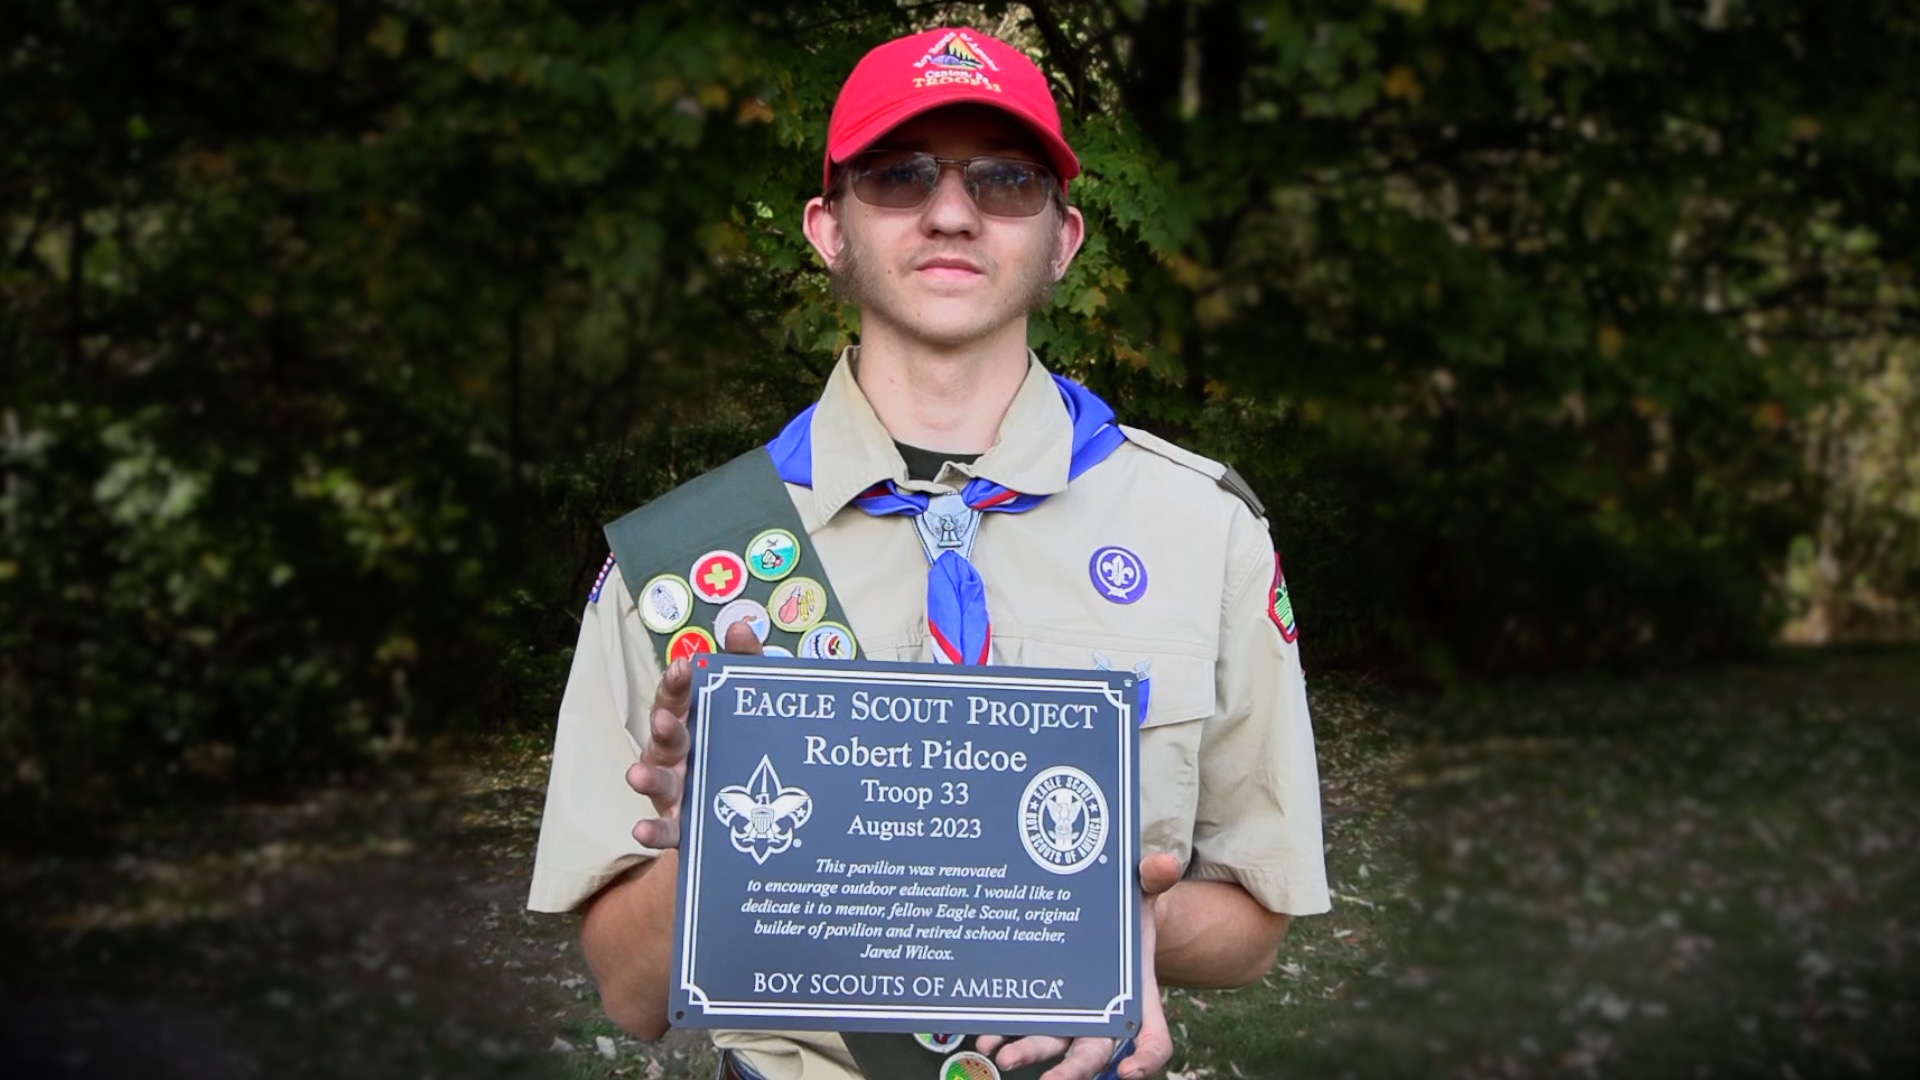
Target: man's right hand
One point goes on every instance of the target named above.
(661, 772)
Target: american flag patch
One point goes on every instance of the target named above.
(594, 596)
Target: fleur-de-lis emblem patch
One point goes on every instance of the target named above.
(1118, 573)
(761, 815)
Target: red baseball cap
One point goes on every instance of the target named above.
(907, 76)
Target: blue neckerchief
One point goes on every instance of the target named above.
(956, 597)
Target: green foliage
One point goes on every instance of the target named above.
(334, 330)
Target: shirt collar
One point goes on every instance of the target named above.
(852, 451)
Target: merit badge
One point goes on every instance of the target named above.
(940, 1043)
(776, 650)
(1118, 573)
(761, 815)
(749, 610)
(773, 555)
(1063, 819)
(666, 603)
(967, 1065)
(828, 641)
(797, 604)
(689, 641)
(718, 576)
(1280, 605)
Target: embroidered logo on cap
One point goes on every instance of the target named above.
(956, 58)
(773, 555)
(666, 603)
(719, 576)
(1118, 573)
(1280, 605)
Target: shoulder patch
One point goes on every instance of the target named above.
(1280, 604)
(1218, 472)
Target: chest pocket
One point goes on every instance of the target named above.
(1180, 698)
(1177, 686)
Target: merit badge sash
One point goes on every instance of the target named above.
(722, 547)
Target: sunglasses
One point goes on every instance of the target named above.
(902, 180)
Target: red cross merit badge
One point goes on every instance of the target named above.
(718, 576)
(1280, 605)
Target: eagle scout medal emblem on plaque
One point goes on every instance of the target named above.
(719, 576)
(666, 602)
(797, 604)
(1118, 573)
(773, 555)
(1063, 819)
(1280, 605)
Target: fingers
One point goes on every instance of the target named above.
(1152, 1048)
(1022, 1051)
(660, 774)
(658, 833)
(667, 739)
(660, 784)
(741, 639)
(675, 691)
(1086, 1058)
(1158, 873)
(1153, 1045)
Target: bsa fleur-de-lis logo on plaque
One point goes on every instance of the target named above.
(761, 815)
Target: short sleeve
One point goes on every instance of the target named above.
(1257, 822)
(586, 831)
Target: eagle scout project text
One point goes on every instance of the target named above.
(909, 847)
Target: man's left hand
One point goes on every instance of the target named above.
(1088, 1058)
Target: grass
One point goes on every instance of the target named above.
(1707, 874)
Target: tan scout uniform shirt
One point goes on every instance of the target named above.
(1228, 781)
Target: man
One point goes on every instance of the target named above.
(945, 219)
